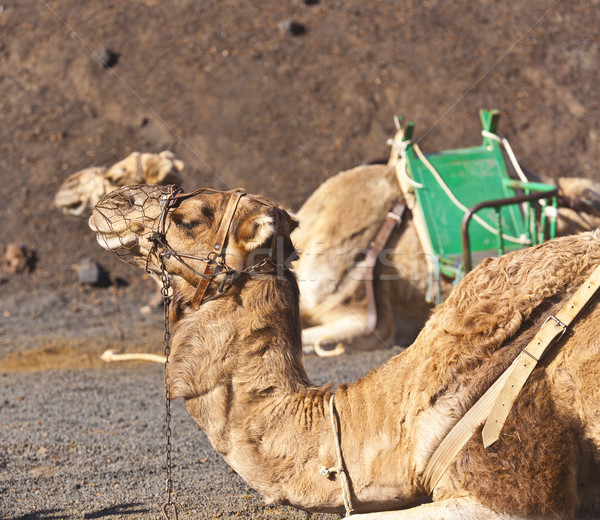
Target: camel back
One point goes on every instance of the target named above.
(465, 204)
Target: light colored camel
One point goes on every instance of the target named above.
(337, 223)
(236, 359)
(81, 190)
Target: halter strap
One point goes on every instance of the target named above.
(218, 247)
(216, 257)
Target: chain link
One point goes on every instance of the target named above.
(165, 291)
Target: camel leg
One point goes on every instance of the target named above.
(337, 332)
(348, 332)
(451, 509)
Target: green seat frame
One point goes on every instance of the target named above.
(470, 206)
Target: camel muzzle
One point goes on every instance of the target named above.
(125, 218)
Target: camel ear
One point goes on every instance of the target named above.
(256, 231)
(256, 240)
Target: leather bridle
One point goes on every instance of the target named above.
(215, 258)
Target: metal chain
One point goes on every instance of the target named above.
(169, 509)
(169, 506)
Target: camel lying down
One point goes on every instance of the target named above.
(236, 359)
(337, 223)
(82, 190)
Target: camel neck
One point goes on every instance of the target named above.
(238, 363)
(250, 337)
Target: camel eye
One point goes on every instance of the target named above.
(190, 220)
(187, 224)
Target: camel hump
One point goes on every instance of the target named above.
(492, 302)
(337, 224)
(355, 198)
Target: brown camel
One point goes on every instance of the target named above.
(337, 223)
(236, 359)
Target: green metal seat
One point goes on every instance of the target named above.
(466, 205)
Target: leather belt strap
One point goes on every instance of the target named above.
(393, 218)
(495, 404)
(529, 358)
(218, 247)
(464, 429)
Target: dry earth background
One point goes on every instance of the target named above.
(246, 98)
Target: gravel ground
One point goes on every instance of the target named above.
(89, 443)
(243, 101)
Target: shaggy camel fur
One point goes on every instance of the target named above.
(82, 190)
(337, 223)
(237, 362)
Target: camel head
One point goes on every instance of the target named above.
(154, 226)
(579, 205)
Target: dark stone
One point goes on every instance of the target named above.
(292, 28)
(105, 57)
(91, 272)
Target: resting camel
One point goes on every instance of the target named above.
(236, 359)
(81, 190)
(337, 223)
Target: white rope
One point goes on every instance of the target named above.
(513, 158)
(339, 469)
(410, 181)
(401, 147)
(522, 240)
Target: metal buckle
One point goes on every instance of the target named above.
(214, 257)
(558, 322)
(164, 199)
